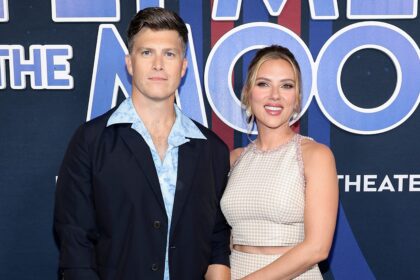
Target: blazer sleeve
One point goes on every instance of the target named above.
(74, 217)
(221, 232)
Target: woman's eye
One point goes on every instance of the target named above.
(288, 86)
(262, 84)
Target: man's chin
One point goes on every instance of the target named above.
(159, 97)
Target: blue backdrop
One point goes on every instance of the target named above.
(61, 63)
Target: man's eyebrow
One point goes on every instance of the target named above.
(172, 49)
(164, 49)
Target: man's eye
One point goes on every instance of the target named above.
(145, 52)
(170, 54)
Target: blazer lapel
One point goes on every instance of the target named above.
(141, 152)
(188, 157)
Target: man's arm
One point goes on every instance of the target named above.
(221, 234)
(74, 218)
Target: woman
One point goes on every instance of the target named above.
(282, 196)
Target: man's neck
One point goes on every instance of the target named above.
(158, 118)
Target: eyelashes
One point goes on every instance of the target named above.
(283, 86)
(288, 86)
(262, 84)
(168, 54)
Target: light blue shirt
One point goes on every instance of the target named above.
(167, 168)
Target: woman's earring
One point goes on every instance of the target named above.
(249, 115)
(293, 117)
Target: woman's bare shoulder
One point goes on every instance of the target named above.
(314, 152)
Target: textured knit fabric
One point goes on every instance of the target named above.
(243, 264)
(264, 204)
(265, 196)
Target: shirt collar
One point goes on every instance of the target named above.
(125, 113)
(182, 129)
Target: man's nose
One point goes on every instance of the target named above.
(158, 62)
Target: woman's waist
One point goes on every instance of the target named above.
(262, 250)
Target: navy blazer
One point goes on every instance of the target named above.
(110, 218)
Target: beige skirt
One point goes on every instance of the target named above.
(242, 264)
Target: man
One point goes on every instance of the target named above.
(139, 188)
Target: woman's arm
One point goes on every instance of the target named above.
(321, 204)
(217, 272)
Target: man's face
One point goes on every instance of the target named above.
(156, 63)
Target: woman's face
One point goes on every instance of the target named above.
(274, 95)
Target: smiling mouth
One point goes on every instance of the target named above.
(274, 108)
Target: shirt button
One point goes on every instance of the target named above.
(154, 267)
(156, 224)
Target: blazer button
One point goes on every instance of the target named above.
(156, 224)
(154, 267)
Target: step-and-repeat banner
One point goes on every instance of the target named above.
(62, 63)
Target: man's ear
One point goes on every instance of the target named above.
(128, 64)
(184, 67)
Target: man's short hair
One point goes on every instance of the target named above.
(157, 19)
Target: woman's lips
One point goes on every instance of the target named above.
(273, 109)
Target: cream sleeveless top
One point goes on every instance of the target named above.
(265, 196)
